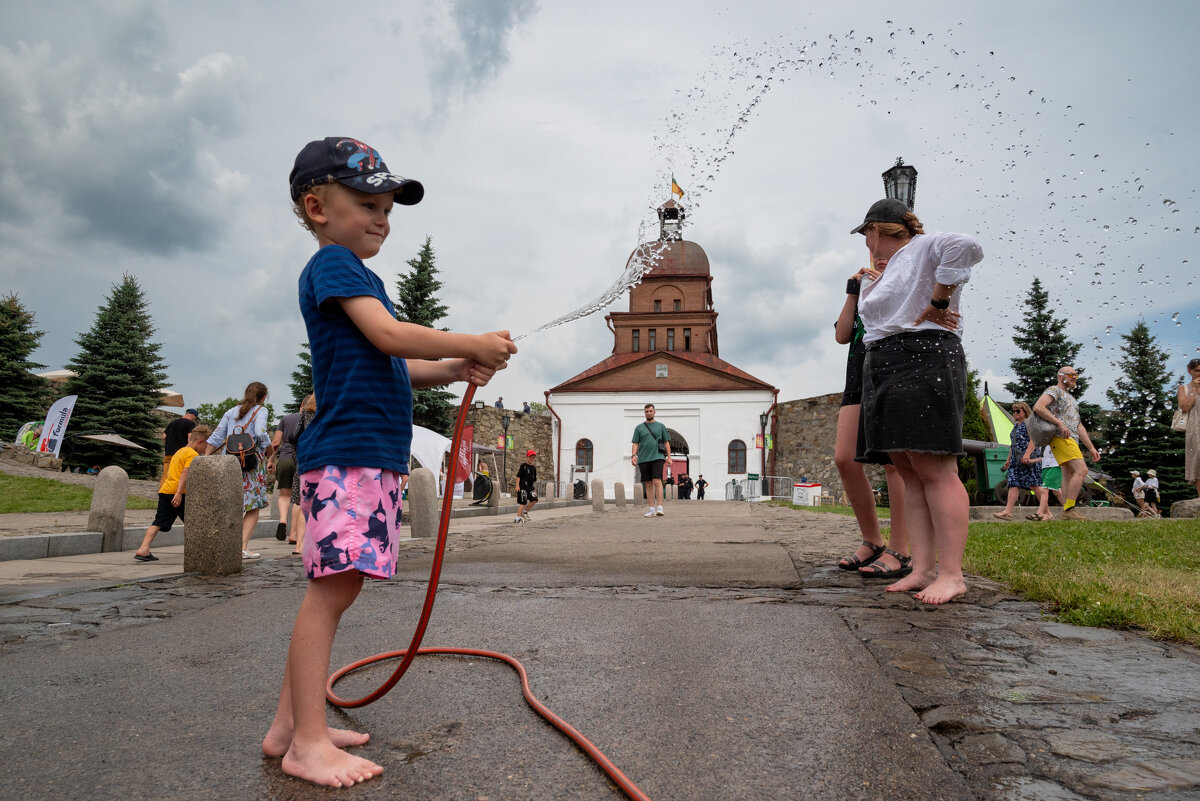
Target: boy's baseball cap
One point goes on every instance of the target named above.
(351, 163)
(531, 452)
(888, 210)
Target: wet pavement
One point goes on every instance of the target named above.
(712, 653)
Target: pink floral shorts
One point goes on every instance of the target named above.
(352, 519)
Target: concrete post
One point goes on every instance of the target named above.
(423, 500)
(619, 491)
(212, 531)
(107, 514)
(493, 501)
(597, 495)
(668, 492)
(639, 494)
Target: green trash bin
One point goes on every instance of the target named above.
(993, 460)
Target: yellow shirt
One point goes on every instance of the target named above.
(179, 462)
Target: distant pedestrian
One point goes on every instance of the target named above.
(248, 417)
(1051, 482)
(700, 485)
(525, 407)
(1152, 492)
(500, 403)
(1023, 466)
(1188, 393)
(1059, 406)
(175, 436)
(1138, 490)
(526, 486)
(308, 410)
(284, 464)
(651, 451)
(172, 490)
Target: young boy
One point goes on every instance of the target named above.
(350, 459)
(171, 491)
(526, 486)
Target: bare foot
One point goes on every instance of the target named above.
(279, 740)
(943, 590)
(911, 582)
(329, 766)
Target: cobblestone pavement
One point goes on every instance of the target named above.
(1021, 707)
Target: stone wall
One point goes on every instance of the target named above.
(804, 439)
(531, 430)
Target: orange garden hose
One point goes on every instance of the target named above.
(414, 649)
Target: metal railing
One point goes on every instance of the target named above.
(762, 488)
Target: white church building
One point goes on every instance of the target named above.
(665, 352)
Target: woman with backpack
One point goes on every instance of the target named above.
(242, 433)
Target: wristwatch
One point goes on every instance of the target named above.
(852, 286)
(940, 304)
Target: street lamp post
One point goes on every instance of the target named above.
(900, 181)
(504, 420)
(762, 422)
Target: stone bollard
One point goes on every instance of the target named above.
(212, 531)
(639, 494)
(668, 492)
(107, 514)
(597, 495)
(619, 492)
(493, 501)
(423, 501)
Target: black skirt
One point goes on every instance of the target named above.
(914, 390)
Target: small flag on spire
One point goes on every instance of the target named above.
(675, 188)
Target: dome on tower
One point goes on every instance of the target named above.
(675, 257)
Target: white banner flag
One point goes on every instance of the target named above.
(55, 426)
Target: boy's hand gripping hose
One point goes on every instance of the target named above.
(414, 649)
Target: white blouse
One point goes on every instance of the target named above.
(889, 306)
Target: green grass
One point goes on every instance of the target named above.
(837, 510)
(23, 494)
(1141, 574)
(1136, 574)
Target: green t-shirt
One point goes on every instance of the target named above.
(648, 436)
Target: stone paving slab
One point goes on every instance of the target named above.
(1011, 704)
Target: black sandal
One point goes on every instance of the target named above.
(852, 562)
(878, 570)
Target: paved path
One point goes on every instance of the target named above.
(713, 654)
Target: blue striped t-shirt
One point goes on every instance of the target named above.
(364, 397)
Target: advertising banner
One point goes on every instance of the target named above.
(55, 427)
(463, 473)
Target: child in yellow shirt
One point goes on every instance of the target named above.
(171, 491)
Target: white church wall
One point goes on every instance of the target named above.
(707, 421)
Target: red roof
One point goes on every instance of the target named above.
(678, 257)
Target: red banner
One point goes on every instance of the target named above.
(464, 454)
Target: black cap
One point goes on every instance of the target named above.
(888, 210)
(351, 163)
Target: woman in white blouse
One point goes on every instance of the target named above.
(914, 386)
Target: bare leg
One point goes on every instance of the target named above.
(1043, 496)
(657, 495)
(898, 537)
(312, 754)
(1073, 473)
(285, 501)
(151, 533)
(949, 511)
(298, 527)
(854, 480)
(249, 521)
(920, 529)
(1013, 492)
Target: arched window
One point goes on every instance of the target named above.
(737, 456)
(583, 453)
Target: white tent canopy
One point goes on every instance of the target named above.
(428, 447)
(169, 396)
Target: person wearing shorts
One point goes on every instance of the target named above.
(172, 490)
(1058, 406)
(651, 450)
(526, 486)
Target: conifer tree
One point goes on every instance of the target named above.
(23, 395)
(302, 382)
(1042, 338)
(118, 377)
(1138, 429)
(417, 302)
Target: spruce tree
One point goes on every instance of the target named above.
(417, 302)
(23, 395)
(1138, 429)
(302, 385)
(118, 377)
(1042, 338)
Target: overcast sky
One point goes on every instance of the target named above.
(155, 139)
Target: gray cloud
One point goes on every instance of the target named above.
(114, 134)
(477, 49)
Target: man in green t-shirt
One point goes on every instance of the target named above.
(651, 449)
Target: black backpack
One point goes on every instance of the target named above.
(241, 445)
